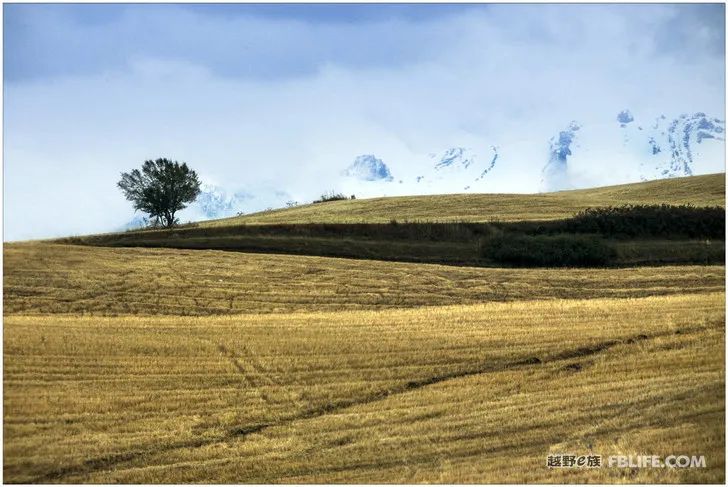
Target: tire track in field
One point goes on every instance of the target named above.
(258, 370)
(109, 461)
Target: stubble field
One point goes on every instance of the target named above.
(158, 365)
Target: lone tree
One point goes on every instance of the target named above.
(161, 188)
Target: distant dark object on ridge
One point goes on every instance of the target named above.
(331, 196)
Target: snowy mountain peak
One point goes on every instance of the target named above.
(554, 175)
(561, 144)
(460, 167)
(454, 157)
(491, 164)
(624, 117)
(668, 147)
(683, 141)
(216, 202)
(573, 155)
(368, 168)
(212, 202)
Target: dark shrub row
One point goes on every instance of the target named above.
(332, 197)
(548, 250)
(453, 232)
(650, 221)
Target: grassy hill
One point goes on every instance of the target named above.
(708, 190)
(376, 228)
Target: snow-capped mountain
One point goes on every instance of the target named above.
(620, 147)
(218, 202)
(624, 117)
(458, 168)
(368, 168)
(454, 158)
(631, 149)
(677, 146)
(453, 169)
(215, 202)
(212, 202)
(617, 148)
(555, 172)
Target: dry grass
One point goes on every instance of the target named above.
(433, 394)
(706, 190)
(44, 278)
(163, 365)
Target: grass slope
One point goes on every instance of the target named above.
(44, 278)
(479, 393)
(708, 190)
(455, 239)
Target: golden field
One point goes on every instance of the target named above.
(469, 393)
(708, 190)
(46, 278)
(161, 365)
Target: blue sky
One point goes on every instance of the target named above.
(277, 98)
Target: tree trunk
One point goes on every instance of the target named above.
(168, 219)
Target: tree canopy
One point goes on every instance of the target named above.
(161, 188)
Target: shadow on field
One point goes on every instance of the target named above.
(596, 237)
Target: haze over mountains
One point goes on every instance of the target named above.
(632, 148)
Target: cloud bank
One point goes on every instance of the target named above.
(276, 103)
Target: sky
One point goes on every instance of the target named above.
(275, 101)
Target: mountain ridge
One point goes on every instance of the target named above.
(663, 147)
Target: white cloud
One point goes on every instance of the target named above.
(511, 76)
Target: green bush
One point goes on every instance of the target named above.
(548, 250)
